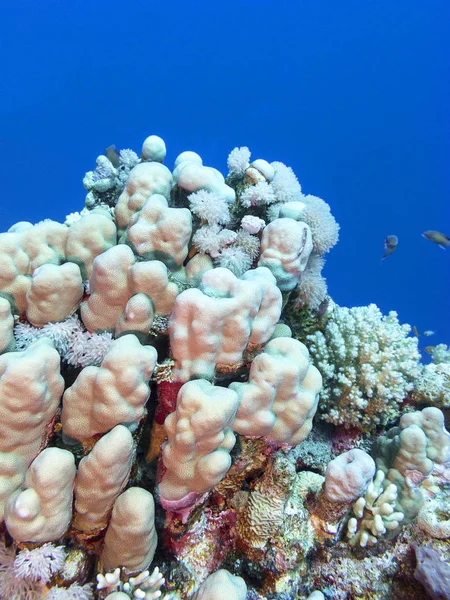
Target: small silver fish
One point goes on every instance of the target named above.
(416, 331)
(390, 245)
(442, 240)
(429, 332)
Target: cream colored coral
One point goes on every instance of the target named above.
(25, 248)
(151, 277)
(410, 450)
(146, 179)
(116, 278)
(116, 392)
(144, 585)
(192, 176)
(222, 584)
(44, 243)
(160, 232)
(433, 386)
(432, 422)
(6, 326)
(407, 455)
(137, 317)
(348, 475)
(130, 540)
(286, 245)
(15, 270)
(280, 399)
(102, 475)
(12, 473)
(197, 266)
(41, 510)
(153, 149)
(200, 438)
(316, 595)
(434, 518)
(213, 325)
(269, 310)
(375, 513)
(30, 390)
(55, 293)
(109, 288)
(92, 234)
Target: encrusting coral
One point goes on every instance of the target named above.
(163, 355)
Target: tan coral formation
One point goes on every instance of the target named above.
(42, 509)
(145, 180)
(260, 515)
(286, 245)
(211, 326)
(160, 232)
(116, 278)
(114, 393)
(196, 455)
(7, 341)
(30, 390)
(130, 540)
(101, 477)
(222, 584)
(55, 293)
(281, 396)
(91, 235)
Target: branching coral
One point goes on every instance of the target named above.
(433, 385)
(145, 585)
(375, 513)
(188, 290)
(368, 364)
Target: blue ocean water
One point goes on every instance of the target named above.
(352, 95)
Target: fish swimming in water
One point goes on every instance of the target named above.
(426, 333)
(442, 240)
(390, 244)
(113, 155)
(429, 349)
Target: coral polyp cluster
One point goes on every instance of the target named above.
(185, 412)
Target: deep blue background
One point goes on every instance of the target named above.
(353, 94)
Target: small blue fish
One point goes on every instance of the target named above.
(429, 332)
(442, 240)
(390, 245)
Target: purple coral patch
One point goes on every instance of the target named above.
(432, 572)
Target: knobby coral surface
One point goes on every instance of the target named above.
(163, 355)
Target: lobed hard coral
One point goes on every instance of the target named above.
(157, 398)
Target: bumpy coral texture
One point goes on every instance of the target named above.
(433, 386)
(179, 288)
(368, 364)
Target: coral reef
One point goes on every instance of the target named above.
(187, 415)
(368, 363)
